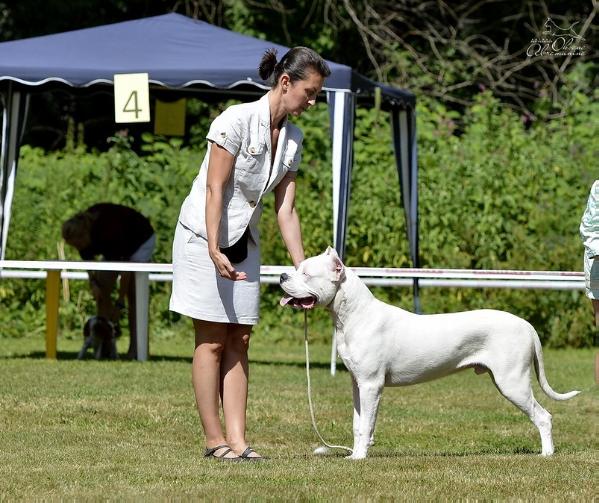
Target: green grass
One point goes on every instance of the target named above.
(114, 430)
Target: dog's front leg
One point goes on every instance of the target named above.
(113, 353)
(356, 423)
(369, 397)
(86, 345)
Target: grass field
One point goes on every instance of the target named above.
(129, 430)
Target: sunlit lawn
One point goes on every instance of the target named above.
(111, 430)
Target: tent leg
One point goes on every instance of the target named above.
(342, 110)
(416, 293)
(13, 119)
(52, 301)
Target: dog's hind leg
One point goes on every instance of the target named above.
(369, 398)
(542, 420)
(516, 388)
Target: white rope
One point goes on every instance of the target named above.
(310, 390)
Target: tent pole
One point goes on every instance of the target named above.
(414, 223)
(404, 138)
(11, 136)
(342, 111)
(13, 125)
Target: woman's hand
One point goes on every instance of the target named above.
(225, 268)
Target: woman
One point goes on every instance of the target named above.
(589, 232)
(252, 150)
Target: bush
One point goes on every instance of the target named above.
(492, 195)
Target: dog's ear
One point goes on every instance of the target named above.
(339, 268)
(331, 251)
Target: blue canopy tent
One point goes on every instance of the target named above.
(182, 54)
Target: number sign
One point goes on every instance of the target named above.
(131, 97)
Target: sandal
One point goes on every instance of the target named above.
(210, 452)
(245, 455)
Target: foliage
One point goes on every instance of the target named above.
(449, 51)
(496, 196)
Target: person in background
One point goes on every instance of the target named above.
(118, 234)
(589, 232)
(252, 149)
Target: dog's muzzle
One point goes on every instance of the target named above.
(307, 302)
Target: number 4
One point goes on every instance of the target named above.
(136, 109)
(131, 97)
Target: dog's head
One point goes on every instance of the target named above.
(315, 283)
(100, 328)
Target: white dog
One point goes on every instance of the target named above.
(382, 345)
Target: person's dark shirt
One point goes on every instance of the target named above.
(116, 232)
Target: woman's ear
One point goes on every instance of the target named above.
(284, 82)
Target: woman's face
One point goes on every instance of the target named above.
(300, 95)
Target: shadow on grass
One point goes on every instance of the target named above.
(373, 453)
(72, 355)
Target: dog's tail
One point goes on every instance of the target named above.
(540, 370)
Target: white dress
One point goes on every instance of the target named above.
(201, 293)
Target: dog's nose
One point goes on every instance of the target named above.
(284, 277)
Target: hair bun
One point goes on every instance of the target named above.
(267, 64)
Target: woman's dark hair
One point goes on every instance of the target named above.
(297, 63)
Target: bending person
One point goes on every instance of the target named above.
(118, 234)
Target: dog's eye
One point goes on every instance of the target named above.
(307, 276)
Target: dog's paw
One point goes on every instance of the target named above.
(355, 456)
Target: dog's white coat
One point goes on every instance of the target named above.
(382, 345)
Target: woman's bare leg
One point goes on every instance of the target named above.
(102, 284)
(234, 375)
(129, 284)
(210, 341)
(596, 312)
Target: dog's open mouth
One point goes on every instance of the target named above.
(303, 303)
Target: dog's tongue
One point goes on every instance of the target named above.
(305, 303)
(285, 300)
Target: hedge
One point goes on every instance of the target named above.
(494, 194)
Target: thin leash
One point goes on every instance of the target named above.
(310, 390)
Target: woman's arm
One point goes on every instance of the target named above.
(220, 166)
(288, 218)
